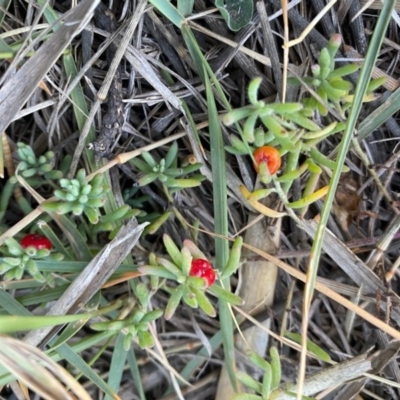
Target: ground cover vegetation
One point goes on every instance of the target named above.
(199, 200)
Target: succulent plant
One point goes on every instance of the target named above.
(269, 385)
(329, 82)
(30, 165)
(166, 171)
(193, 273)
(19, 258)
(79, 196)
(137, 324)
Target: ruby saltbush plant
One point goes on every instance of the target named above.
(175, 275)
(18, 259)
(290, 130)
(137, 323)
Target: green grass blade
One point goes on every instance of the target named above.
(135, 372)
(117, 365)
(5, 49)
(220, 196)
(79, 104)
(2, 159)
(364, 78)
(219, 193)
(50, 15)
(44, 296)
(379, 116)
(11, 305)
(4, 4)
(185, 7)
(17, 323)
(79, 363)
(169, 11)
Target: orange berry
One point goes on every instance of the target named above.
(270, 156)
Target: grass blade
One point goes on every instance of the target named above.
(132, 362)
(167, 9)
(364, 78)
(218, 167)
(80, 364)
(117, 365)
(379, 116)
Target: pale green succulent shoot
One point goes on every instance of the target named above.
(17, 260)
(270, 381)
(333, 90)
(137, 324)
(189, 289)
(30, 165)
(167, 171)
(289, 127)
(80, 196)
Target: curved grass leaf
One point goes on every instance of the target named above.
(237, 13)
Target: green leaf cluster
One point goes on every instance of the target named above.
(290, 129)
(332, 89)
(293, 134)
(167, 171)
(190, 289)
(30, 165)
(289, 126)
(17, 260)
(285, 124)
(327, 81)
(270, 380)
(137, 324)
(79, 196)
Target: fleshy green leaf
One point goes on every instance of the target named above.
(237, 13)
(156, 271)
(204, 303)
(249, 382)
(234, 258)
(173, 301)
(276, 369)
(171, 267)
(229, 297)
(172, 250)
(266, 382)
(145, 339)
(171, 155)
(312, 347)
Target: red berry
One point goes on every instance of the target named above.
(37, 241)
(209, 276)
(203, 269)
(270, 155)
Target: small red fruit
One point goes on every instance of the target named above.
(209, 276)
(203, 269)
(37, 241)
(270, 155)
